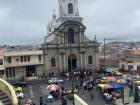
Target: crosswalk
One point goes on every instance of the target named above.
(44, 89)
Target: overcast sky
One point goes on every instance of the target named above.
(25, 21)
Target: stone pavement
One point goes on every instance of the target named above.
(97, 97)
(119, 102)
(57, 102)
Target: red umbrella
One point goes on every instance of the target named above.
(53, 87)
(107, 87)
(109, 79)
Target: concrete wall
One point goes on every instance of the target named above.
(2, 66)
(20, 66)
(16, 60)
(126, 65)
(20, 72)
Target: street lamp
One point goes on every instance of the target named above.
(72, 83)
(133, 75)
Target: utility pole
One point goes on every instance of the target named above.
(104, 53)
(105, 50)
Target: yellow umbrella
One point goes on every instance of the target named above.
(101, 85)
(122, 81)
(138, 82)
(103, 77)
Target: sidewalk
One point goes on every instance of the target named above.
(119, 102)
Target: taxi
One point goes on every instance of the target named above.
(17, 89)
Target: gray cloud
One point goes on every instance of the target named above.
(25, 21)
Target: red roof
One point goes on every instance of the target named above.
(2, 52)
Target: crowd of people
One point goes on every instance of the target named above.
(89, 81)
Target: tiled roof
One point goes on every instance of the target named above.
(2, 52)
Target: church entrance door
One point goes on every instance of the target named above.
(72, 62)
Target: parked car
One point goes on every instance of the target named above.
(55, 81)
(17, 83)
(117, 73)
(20, 95)
(17, 89)
(109, 70)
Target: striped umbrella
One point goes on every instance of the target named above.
(53, 87)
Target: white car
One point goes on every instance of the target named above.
(109, 70)
(55, 81)
(118, 73)
(20, 95)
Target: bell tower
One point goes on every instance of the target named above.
(69, 9)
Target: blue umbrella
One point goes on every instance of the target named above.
(115, 86)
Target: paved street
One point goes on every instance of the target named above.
(37, 89)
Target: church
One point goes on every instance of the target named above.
(66, 46)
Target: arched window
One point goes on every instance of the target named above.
(70, 8)
(53, 63)
(90, 59)
(71, 35)
(123, 66)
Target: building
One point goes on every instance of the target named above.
(131, 60)
(109, 55)
(2, 63)
(21, 63)
(130, 65)
(66, 47)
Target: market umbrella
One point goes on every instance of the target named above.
(109, 79)
(121, 81)
(115, 86)
(105, 86)
(138, 82)
(53, 87)
(127, 77)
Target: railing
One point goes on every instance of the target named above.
(9, 91)
(79, 101)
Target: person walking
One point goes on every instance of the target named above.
(63, 100)
(91, 95)
(41, 101)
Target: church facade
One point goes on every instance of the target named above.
(66, 47)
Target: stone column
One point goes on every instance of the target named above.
(58, 39)
(60, 63)
(64, 62)
(85, 60)
(80, 37)
(97, 60)
(84, 40)
(81, 57)
(46, 64)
